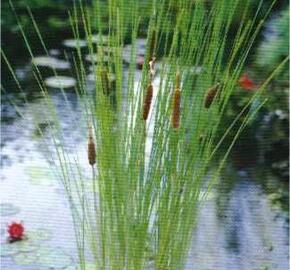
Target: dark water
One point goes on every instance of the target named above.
(239, 227)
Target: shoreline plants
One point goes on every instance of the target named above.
(154, 150)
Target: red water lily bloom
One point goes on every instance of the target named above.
(15, 231)
(246, 83)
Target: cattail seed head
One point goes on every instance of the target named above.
(210, 95)
(147, 101)
(176, 108)
(91, 149)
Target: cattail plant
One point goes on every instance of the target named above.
(210, 95)
(147, 187)
(176, 103)
(91, 148)
(147, 101)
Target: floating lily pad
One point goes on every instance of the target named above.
(40, 176)
(100, 39)
(54, 52)
(108, 49)
(53, 258)
(24, 246)
(39, 235)
(8, 209)
(75, 43)
(51, 62)
(10, 249)
(60, 82)
(25, 258)
(92, 77)
(94, 58)
(89, 266)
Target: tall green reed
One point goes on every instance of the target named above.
(154, 150)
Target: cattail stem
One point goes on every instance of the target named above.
(147, 101)
(177, 81)
(176, 108)
(94, 190)
(152, 45)
(105, 82)
(210, 95)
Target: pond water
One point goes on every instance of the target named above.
(238, 228)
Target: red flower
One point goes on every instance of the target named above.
(246, 83)
(16, 231)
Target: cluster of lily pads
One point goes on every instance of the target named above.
(53, 62)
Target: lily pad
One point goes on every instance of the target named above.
(108, 49)
(60, 82)
(89, 266)
(54, 52)
(51, 62)
(94, 58)
(74, 43)
(53, 258)
(25, 258)
(40, 176)
(39, 235)
(100, 39)
(92, 77)
(8, 209)
(10, 249)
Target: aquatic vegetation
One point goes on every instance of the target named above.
(51, 62)
(15, 231)
(75, 43)
(246, 83)
(60, 82)
(148, 177)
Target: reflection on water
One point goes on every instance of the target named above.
(240, 230)
(238, 227)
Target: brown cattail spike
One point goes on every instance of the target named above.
(91, 148)
(176, 108)
(147, 101)
(210, 95)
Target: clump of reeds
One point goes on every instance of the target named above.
(147, 190)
